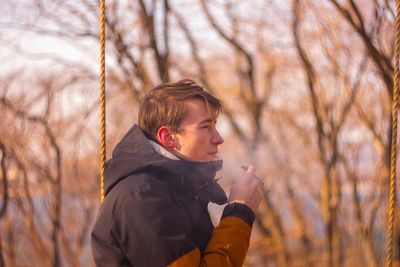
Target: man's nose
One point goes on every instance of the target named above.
(217, 138)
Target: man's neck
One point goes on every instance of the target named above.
(163, 151)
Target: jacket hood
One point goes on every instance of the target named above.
(134, 154)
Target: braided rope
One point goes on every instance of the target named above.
(392, 190)
(102, 98)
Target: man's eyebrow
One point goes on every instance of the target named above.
(207, 120)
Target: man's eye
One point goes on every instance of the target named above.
(205, 126)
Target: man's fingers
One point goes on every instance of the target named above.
(248, 168)
(250, 171)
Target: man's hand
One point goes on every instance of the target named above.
(247, 190)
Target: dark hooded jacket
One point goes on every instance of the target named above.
(155, 212)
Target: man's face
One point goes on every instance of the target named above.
(198, 139)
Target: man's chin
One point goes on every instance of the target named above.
(208, 158)
(214, 157)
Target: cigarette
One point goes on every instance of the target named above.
(245, 168)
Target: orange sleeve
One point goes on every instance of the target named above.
(227, 247)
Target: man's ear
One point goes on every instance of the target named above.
(164, 136)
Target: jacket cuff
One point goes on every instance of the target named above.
(240, 211)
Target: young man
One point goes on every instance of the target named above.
(159, 182)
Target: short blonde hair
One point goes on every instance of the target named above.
(165, 105)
